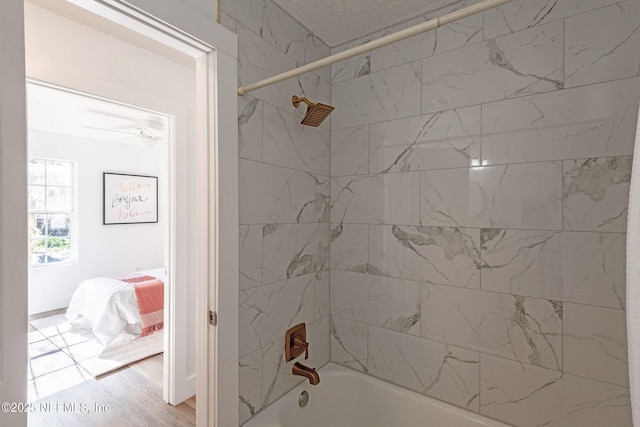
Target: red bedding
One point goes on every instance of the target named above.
(150, 295)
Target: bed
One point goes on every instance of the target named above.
(110, 306)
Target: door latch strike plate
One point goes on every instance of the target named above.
(213, 318)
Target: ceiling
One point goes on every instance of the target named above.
(339, 21)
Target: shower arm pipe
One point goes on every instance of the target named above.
(374, 44)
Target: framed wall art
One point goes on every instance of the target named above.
(129, 199)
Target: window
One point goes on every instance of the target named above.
(51, 212)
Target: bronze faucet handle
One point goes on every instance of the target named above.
(298, 342)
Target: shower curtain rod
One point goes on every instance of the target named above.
(374, 44)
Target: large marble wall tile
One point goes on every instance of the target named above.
(522, 14)
(595, 343)
(593, 268)
(592, 121)
(444, 255)
(519, 328)
(290, 250)
(350, 151)
(441, 140)
(277, 378)
(228, 22)
(266, 312)
(246, 12)
(442, 371)
(527, 263)
(518, 64)
(318, 337)
(382, 301)
(356, 66)
(250, 256)
(350, 247)
(249, 128)
(529, 396)
(323, 299)
(510, 196)
(250, 385)
(452, 36)
(287, 143)
(595, 194)
(280, 29)
(392, 198)
(349, 343)
(603, 44)
(271, 194)
(386, 95)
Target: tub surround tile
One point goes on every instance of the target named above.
(323, 301)
(266, 312)
(376, 199)
(562, 125)
(386, 95)
(522, 14)
(272, 194)
(527, 263)
(382, 301)
(250, 256)
(603, 44)
(350, 151)
(228, 22)
(438, 370)
(593, 268)
(356, 66)
(507, 196)
(250, 385)
(349, 343)
(289, 144)
(249, 128)
(518, 64)
(277, 378)
(432, 254)
(290, 250)
(318, 337)
(595, 194)
(246, 12)
(595, 343)
(530, 396)
(446, 139)
(349, 247)
(516, 327)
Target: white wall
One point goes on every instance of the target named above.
(102, 249)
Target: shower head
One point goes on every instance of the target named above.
(316, 113)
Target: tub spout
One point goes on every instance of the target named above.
(305, 371)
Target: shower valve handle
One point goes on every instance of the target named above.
(298, 342)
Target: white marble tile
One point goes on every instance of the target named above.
(290, 250)
(228, 22)
(566, 124)
(515, 327)
(527, 263)
(250, 385)
(356, 66)
(349, 343)
(266, 312)
(518, 64)
(595, 194)
(444, 255)
(318, 334)
(386, 95)
(350, 151)
(350, 247)
(593, 268)
(277, 378)
(287, 143)
(529, 396)
(595, 343)
(452, 36)
(510, 196)
(382, 301)
(522, 14)
(323, 300)
(272, 194)
(441, 140)
(438, 370)
(249, 128)
(250, 256)
(392, 198)
(246, 12)
(602, 44)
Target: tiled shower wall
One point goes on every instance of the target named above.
(284, 201)
(479, 186)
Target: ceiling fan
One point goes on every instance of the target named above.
(146, 131)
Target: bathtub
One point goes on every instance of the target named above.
(347, 398)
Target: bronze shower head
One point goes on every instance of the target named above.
(316, 113)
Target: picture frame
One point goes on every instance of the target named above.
(129, 199)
